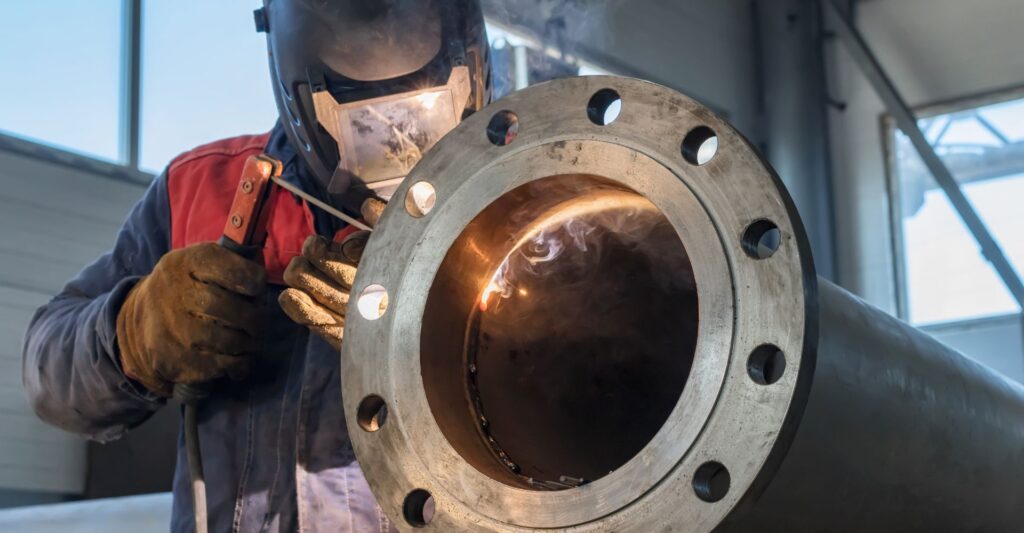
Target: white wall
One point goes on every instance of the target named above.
(934, 50)
(55, 220)
(136, 514)
(704, 48)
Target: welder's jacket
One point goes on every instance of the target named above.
(276, 453)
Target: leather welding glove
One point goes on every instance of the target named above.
(193, 319)
(320, 279)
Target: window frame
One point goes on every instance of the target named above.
(126, 168)
(889, 129)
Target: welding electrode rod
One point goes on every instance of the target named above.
(309, 198)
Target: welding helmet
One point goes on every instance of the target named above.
(365, 87)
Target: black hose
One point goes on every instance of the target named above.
(190, 396)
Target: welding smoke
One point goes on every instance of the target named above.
(569, 239)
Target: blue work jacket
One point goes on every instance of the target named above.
(276, 451)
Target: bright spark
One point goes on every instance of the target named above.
(429, 100)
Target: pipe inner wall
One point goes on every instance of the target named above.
(559, 332)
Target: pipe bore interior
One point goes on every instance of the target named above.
(559, 332)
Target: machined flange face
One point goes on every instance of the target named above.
(750, 373)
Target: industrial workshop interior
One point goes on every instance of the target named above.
(512, 265)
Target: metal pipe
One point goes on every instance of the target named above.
(521, 62)
(131, 68)
(899, 433)
(690, 372)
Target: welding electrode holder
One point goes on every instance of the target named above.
(244, 234)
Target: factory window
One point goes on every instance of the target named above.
(62, 75)
(945, 276)
(204, 76)
(216, 83)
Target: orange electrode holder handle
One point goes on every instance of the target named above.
(244, 234)
(245, 230)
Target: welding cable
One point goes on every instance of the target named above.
(190, 395)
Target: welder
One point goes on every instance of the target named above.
(363, 88)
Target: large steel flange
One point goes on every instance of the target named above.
(497, 377)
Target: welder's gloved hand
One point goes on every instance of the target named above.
(193, 319)
(320, 279)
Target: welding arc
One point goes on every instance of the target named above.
(558, 215)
